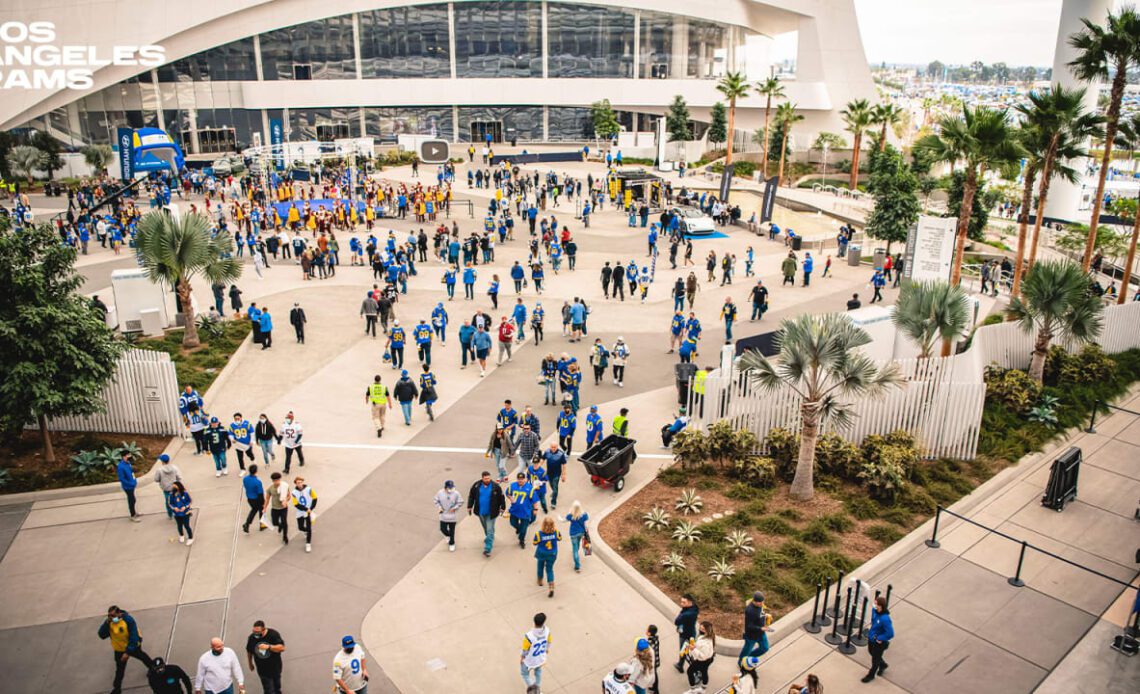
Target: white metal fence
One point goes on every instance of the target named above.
(142, 399)
(941, 402)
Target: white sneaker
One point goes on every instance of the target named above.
(190, 542)
(241, 473)
(182, 539)
(136, 519)
(308, 547)
(451, 548)
(621, 385)
(217, 473)
(482, 374)
(225, 471)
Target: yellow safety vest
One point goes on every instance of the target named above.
(699, 382)
(621, 425)
(378, 394)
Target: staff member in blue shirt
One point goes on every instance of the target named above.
(879, 637)
(265, 322)
(254, 496)
(422, 335)
(567, 423)
(523, 506)
(127, 482)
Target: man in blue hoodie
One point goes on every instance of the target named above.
(126, 642)
(265, 322)
(879, 637)
(128, 482)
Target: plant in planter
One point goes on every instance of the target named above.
(656, 519)
(690, 448)
(725, 445)
(686, 532)
(1045, 412)
(87, 463)
(721, 570)
(690, 502)
(673, 562)
(756, 471)
(739, 541)
(782, 447)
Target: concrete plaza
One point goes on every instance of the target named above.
(431, 620)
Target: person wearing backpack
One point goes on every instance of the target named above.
(600, 359)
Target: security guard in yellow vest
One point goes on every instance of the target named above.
(699, 390)
(377, 396)
(621, 423)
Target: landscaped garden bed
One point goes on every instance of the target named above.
(82, 458)
(199, 366)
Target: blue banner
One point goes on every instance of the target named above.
(124, 137)
(277, 141)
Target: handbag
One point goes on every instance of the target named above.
(261, 522)
(587, 546)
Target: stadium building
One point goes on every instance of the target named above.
(527, 69)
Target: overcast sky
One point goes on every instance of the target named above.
(1017, 32)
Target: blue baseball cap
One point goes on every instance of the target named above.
(164, 458)
(642, 644)
(347, 641)
(593, 408)
(213, 420)
(404, 372)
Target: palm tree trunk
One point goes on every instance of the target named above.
(803, 484)
(969, 189)
(764, 159)
(731, 131)
(1042, 196)
(190, 334)
(45, 437)
(1125, 289)
(1040, 350)
(855, 161)
(1111, 120)
(1022, 229)
(783, 151)
(883, 137)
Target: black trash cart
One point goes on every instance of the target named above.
(608, 462)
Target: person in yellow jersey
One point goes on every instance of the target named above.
(126, 642)
(378, 397)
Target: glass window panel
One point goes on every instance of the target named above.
(589, 41)
(405, 42)
(234, 61)
(523, 122)
(498, 39)
(569, 123)
(385, 124)
(705, 40)
(656, 45)
(325, 45)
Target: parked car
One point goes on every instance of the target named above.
(694, 222)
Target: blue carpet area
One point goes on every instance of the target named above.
(714, 235)
(314, 205)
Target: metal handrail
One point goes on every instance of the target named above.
(1016, 579)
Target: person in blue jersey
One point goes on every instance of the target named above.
(518, 275)
(567, 423)
(395, 344)
(189, 397)
(555, 459)
(546, 541)
(537, 274)
(572, 383)
(676, 331)
(508, 419)
(493, 291)
(536, 319)
(265, 323)
(422, 334)
(217, 441)
(449, 282)
(439, 321)
(522, 506)
(687, 350)
(728, 315)
(536, 475)
(469, 275)
(518, 315)
(428, 394)
(594, 427)
(241, 434)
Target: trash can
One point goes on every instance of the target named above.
(854, 251)
(880, 258)
(797, 242)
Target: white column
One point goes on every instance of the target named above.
(158, 98)
(545, 42)
(455, 121)
(1064, 196)
(257, 55)
(356, 45)
(679, 58)
(636, 44)
(546, 124)
(451, 43)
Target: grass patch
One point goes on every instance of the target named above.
(884, 534)
(816, 533)
(838, 522)
(199, 366)
(674, 476)
(772, 525)
(634, 543)
(790, 514)
(862, 508)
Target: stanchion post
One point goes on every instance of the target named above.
(847, 625)
(860, 639)
(1016, 581)
(847, 648)
(824, 620)
(933, 541)
(838, 587)
(834, 638)
(1092, 418)
(888, 598)
(813, 627)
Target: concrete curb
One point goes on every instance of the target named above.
(176, 443)
(874, 569)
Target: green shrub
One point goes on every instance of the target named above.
(943, 493)
(757, 507)
(838, 560)
(884, 534)
(679, 580)
(645, 564)
(743, 169)
(1090, 365)
(838, 522)
(741, 491)
(862, 508)
(836, 456)
(898, 516)
(993, 319)
(766, 560)
(883, 479)
(707, 483)
(819, 568)
(789, 514)
(674, 476)
(791, 591)
(793, 554)
(1011, 387)
(690, 448)
(725, 446)
(771, 525)
(816, 533)
(633, 543)
(783, 447)
(759, 472)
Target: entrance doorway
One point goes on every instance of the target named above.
(481, 129)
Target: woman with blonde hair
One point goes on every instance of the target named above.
(643, 676)
(701, 652)
(577, 518)
(546, 541)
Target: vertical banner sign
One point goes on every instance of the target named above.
(277, 142)
(124, 137)
(726, 181)
(930, 248)
(770, 188)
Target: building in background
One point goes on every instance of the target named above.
(460, 70)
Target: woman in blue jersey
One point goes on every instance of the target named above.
(546, 541)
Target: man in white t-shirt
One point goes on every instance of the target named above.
(291, 433)
(218, 670)
(350, 668)
(535, 646)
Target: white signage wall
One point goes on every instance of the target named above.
(930, 248)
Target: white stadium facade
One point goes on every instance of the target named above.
(380, 68)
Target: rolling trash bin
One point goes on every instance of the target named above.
(608, 461)
(854, 251)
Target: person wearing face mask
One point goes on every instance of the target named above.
(265, 433)
(263, 650)
(218, 670)
(350, 668)
(164, 678)
(305, 501)
(291, 433)
(701, 652)
(126, 642)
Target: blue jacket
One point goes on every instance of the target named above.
(465, 334)
(126, 475)
(134, 638)
(881, 627)
(482, 340)
(517, 272)
(265, 322)
(253, 487)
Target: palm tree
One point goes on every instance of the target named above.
(173, 251)
(24, 160)
(930, 311)
(1032, 140)
(1056, 302)
(97, 156)
(733, 86)
(1063, 120)
(1128, 137)
(769, 89)
(1106, 52)
(820, 360)
(857, 117)
(885, 115)
(983, 139)
(786, 116)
